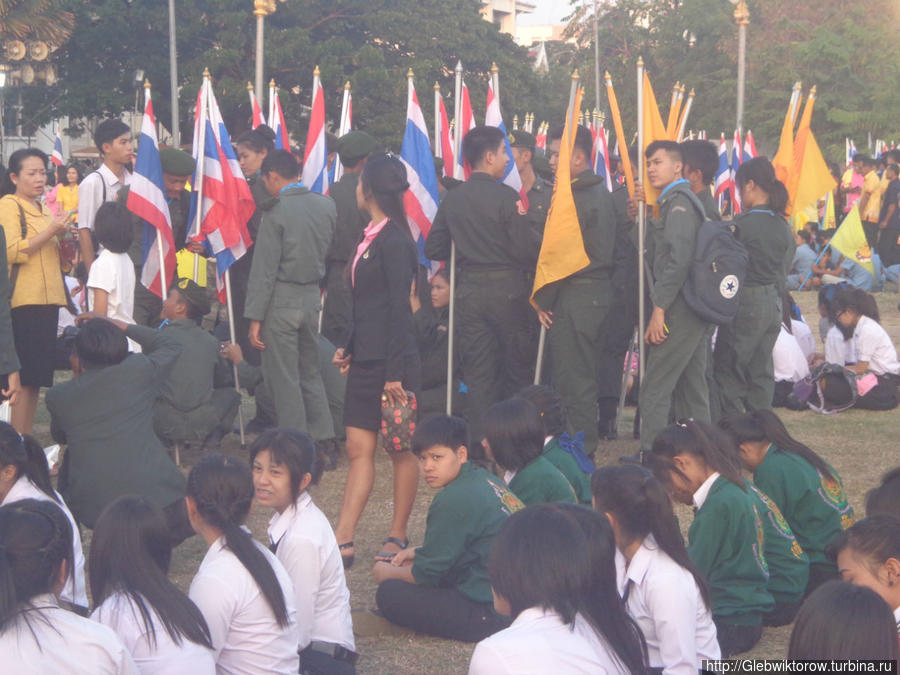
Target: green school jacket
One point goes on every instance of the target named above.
(814, 505)
(540, 482)
(788, 564)
(459, 531)
(568, 466)
(725, 542)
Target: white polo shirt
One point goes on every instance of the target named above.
(873, 345)
(61, 642)
(119, 613)
(805, 337)
(665, 602)
(75, 591)
(538, 642)
(837, 349)
(788, 358)
(245, 635)
(307, 548)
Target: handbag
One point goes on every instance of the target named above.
(398, 423)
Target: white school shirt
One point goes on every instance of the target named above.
(245, 635)
(90, 193)
(805, 337)
(119, 613)
(874, 345)
(538, 642)
(308, 549)
(788, 359)
(114, 273)
(665, 602)
(703, 491)
(75, 591)
(61, 642)
(837, 349)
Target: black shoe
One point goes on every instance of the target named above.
(637, 458)
(607, 430)
(327, 452)
(214, 439)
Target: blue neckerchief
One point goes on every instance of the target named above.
(575, 447)
(671, 185)
(761, 210)
(298, 184)
(165, 322)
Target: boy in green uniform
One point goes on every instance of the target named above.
(538, 190)
(441, 587)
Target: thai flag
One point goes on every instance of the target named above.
(421, 200)
(446, 141)
(464, 126)
(147, 200)
(736, 159)
(315, 159)
(346, 124)
(57, 156)
(749, 147)
(276, 118)
(493, 118)
(227, 201)
(257, 119)
(723, 174)
(601, 157)
(541, 138)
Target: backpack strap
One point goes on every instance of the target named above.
(102, 182)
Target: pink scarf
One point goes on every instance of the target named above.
(371, 231)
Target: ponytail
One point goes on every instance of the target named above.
(385, 179)
(222, 489)
(27, 455)
(765, 426)
(700, 440)
(761, 172)
(641, 506)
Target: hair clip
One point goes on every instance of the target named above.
(683, 422)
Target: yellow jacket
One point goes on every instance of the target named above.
(39, 280)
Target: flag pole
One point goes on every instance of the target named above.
(342, 129)
(457, 172)
(437, 121)
(642, 215)
(272, 88)
(237, 384)
(795, 100)
(621, 141)
(159, 241)
(684, 115)
(204, 104)
(571, 117)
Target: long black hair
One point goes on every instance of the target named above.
(842, 621)
(876, 538)
(36, 538)
(761, 172)
(698, 439)
(260, 139)
(550, 406)
(222, 489)
(641, 506)
(515, 433)
(561, 557)
(130, 554)
(27, 455)
(385, 179)
(7, 187)
(760, 426)
(293, 449)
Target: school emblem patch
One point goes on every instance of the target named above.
(760, 544)
(729, 286)
(509, 503)
(832, 493)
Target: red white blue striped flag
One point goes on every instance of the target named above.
(315, 158)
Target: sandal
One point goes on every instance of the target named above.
(347, 560)
(387, 556)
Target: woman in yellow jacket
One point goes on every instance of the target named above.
(32, 252)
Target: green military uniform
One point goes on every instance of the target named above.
(462, 521)
(725, 543)
(432, 338)
(568, 467)
(676, 368)
(580, 306)
(788, 563)
(814, 505)
(709, 204)
(495, 250)
(349, 225)
(743, 368)
(540, 482)
(283, 293)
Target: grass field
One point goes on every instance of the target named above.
(857, 443)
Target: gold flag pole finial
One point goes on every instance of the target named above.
(437, 87)
(575, 75)
(409, 73)
(249, 86)
(206, 72)
(494, 68)
(146, 83)
(640, 62)
(347, 85)
(272, 83)
(316, 72)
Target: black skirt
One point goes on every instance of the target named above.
(34, 333)
(365, 385)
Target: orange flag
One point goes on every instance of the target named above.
(654, 130)
(620, 134)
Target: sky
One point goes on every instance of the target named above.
(548, 11)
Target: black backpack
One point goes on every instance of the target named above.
(717, 271)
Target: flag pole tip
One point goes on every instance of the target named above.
(459, 67)
(691, 95)
(812, 92)
(316, 72)
(409, 73)
(683, 88)
(146, 83)
(272, 83)
(640, 62)
(347, 85)
(206, 72)
(494, 68)
(249, 86)
(437, 87)
(575, 74)
(607, 77)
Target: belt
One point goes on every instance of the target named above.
(336, 652)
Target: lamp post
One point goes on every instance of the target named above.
(742, 18)
(261, 9)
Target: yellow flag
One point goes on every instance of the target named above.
(562, 250)
(850, 241)
(620, 134)
(829, 222)
(654, 130)
(813, 178)
(675, 112)
(784, 158)
(184, 260)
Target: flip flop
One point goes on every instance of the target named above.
(386, 556)
(347, 560)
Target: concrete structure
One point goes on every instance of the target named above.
(503, 13)
(528, 35)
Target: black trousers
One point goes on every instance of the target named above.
(443, 612)
(734, 639)
(783, 614)
(319, 663)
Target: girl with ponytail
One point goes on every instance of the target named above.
(242, 590)
(807, 490)
(24, 475)
(742, 366)
(663, 590)
(36, 634)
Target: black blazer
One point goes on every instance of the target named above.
(381, 328)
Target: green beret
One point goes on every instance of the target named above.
(355, 145)
(194, 294)
(176, 162)
(522, 139)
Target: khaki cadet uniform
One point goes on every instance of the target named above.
(676, 369)
(190, 408)
(743, 368)
(352, 147)
(580, 305)
(283, 293)
(496, 249)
